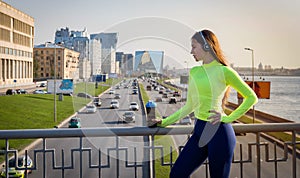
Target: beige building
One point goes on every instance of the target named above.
(54, 60)
(16, 47)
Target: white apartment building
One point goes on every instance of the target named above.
(16, 47)
(95, 56)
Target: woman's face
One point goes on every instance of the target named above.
(197, 50)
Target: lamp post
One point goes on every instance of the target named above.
(253, 86)
(187, 74)
(55, 115)
(187, 67)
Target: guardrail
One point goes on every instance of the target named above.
(118, 132)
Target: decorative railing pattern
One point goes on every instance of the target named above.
(145, 167)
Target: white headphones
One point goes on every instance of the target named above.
(206, 46)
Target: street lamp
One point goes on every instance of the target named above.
(54, 112)
(187, 67)
(253, 86)
(186, 84)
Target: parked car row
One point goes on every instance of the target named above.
(17, 91)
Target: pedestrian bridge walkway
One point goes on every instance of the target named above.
(256, 154)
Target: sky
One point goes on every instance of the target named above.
(270, 27)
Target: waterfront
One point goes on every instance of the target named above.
(284, 98)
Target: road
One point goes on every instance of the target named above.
(104, 117)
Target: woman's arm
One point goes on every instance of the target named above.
(250, 98)
(185, 110)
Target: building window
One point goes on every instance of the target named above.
(4, 35)
(6, 51)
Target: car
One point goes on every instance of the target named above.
(129, 116)
(114, 104)
(90, 109)
(23, 162)
(168, 90)
(97, 101)
(176, 93)
(117, 96)
(148, 87)
(43, 85)
(111, 92)
(75, 122)
(84, 95)
(186, 121)
(158, 99)
(21, 91)
(165, 95)
(39, 92)
(11, 92)
(161, 88)
(135, 91)
(172, 100)
(161, 92)
(134, 106)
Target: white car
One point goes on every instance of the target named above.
(91, 109)
(134, 106)
(129, 116)
(111, 92)
(39, 92)
(97, 101)
(114, 104)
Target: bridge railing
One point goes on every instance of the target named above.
(144, 166)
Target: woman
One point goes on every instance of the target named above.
(208, 87)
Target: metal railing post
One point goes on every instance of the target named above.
(6, 157)
(294, 154)
(258, 165)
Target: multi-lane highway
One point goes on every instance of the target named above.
(103, 117)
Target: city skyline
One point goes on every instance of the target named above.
(270, 28)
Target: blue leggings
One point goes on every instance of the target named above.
(215, 142)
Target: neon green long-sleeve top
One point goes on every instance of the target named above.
(206, 88)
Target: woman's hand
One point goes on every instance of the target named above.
(215, 118)
(154, 122)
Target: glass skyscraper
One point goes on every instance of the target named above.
(148, 62)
